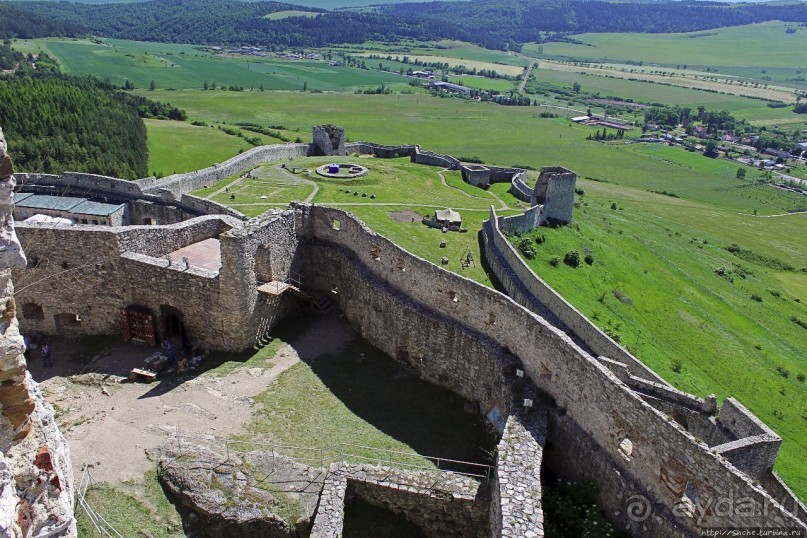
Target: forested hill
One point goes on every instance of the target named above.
(521, 20)
(15, 22)
(55, 123)
(233, 22)
(494, 24)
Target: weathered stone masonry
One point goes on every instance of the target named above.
(608, 417)
(36, 482)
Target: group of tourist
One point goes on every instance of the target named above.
(33, 343)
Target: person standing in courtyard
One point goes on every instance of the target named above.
(46, 356)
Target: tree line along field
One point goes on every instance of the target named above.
(184, 67)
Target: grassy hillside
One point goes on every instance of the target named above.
(705, 319)
(764, 44)
(176, 147)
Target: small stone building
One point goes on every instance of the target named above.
(77, 210)
(476, 175)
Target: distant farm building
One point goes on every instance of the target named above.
(449, 87)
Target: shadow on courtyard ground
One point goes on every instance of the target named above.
(431, 420)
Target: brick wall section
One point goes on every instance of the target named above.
(516, 510)
(330, 517)
(666, 458)
(441, 504)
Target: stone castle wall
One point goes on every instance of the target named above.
(521, 190)
(439, 503)
(555, 189)
(527, 288)
(374, 292)
(94, 271)
(668, 460)
(185, 183)
(271, 241)
(431, 158)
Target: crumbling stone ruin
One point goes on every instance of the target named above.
(555, 191)
(329, 140)
(36, 482)
(558, 391)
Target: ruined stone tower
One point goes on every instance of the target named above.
(328, 140)
(555, 191)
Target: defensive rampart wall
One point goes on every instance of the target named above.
(521, 190)
(184, 183)
(669, 462)
(527, 288)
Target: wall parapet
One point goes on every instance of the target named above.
(515, 272)
(605, 409)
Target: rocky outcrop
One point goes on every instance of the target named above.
(224, 493)
(36, 481)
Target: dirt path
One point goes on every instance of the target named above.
(301, 180)
(502, 206)
(113, 425)
(526, 76)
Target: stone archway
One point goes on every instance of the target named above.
(174, 326)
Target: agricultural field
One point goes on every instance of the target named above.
(184, 66)
(278, 15)
(763, 45)
(458, 50)
(176, 147)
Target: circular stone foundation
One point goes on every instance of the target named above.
(346, 171)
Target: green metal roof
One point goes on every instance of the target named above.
(88, 207)
(69, 204)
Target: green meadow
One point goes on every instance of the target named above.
(391, 186)
(176, 147)
(761, 45)
(185, 67)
